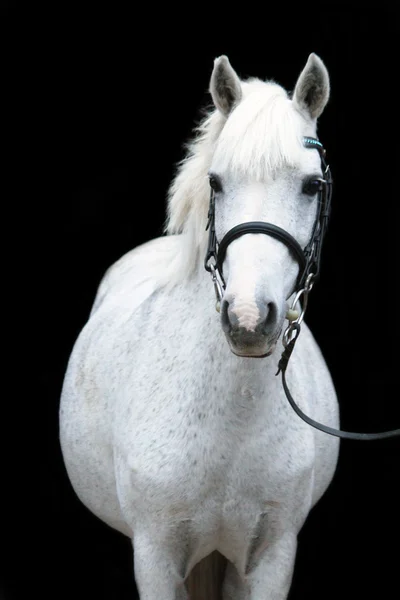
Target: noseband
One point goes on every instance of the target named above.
(309, 260)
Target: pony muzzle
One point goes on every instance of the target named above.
(251, 326)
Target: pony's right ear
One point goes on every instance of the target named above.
(225, 88)
(311, 92)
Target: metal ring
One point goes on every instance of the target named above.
(288, 333)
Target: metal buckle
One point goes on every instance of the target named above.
(217, 287)
(293, 316)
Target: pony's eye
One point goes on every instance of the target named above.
(312, 186)
(215, 183)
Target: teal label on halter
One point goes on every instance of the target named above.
(312, 143)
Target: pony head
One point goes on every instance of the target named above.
(252, 152)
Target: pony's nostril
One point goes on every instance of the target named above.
(268, 318)
(272, 313)
(228, 317)
(224, 315)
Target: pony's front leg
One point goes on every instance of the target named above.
(268, 576)
(158, 568)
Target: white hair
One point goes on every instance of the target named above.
(263, 133)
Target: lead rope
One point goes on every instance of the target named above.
(289, 340)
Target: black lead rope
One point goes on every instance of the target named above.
(349, 435)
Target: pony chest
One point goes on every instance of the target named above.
(178, 451)
(199, 440)
(200, 458)
(211, 441)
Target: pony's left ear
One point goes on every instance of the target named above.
(311, 92)
(225, 87)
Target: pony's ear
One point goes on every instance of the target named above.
(311, 92)
(225, 88)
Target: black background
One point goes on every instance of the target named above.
(98, 105)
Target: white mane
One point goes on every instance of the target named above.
(261, 134)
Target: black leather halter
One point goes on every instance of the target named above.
(309, 260)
